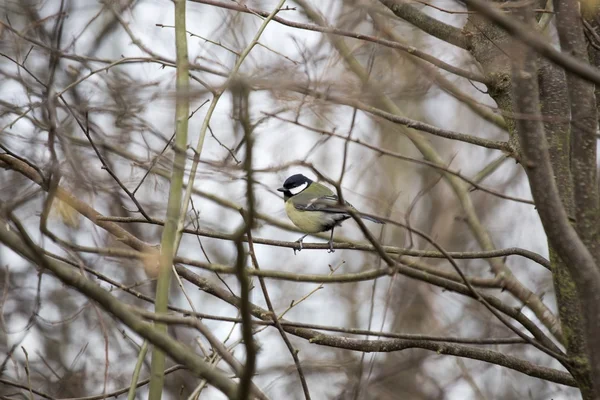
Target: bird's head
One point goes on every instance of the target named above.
(294, 184)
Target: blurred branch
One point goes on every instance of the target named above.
(561, 234)
(169, 241)
(412, 273)
(121, 234)
(396, 117)
(128, 96)
(136, 371)
(422, 276)
(360, 142)
(276, 322)
(444, 83)
(206, 122)
(488, 170)
(23, 246)
(459, 187)
(85, 59)
(241, 97)
(584, 126)
(427, 24)
(553, 352)
(282, 275)
(536, 41)
(392, 345)
(399, 268)
(86, 129)
(108, 169)
(399, 156)
(475, 76)
(114, 393)
(572, 99)
(7, 161)
(191, 322)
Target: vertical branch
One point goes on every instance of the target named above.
(562, 236)
(583, 204)
(584, 124)
(555, 108)
(245, 310)
(211, 109)
(168, 239)
(278, 325)
(136, 371)
(591, 14)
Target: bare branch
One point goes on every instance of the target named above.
(393, 345)
(432, 26)
(170, 346)
(561, 234)
(536, 41)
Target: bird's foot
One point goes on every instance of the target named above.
(299, 241)
(331, 249)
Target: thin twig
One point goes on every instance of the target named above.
(360, 246)
(136, 371)
(286, 340)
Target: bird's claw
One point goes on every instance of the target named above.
(331, 249)
(299, 241)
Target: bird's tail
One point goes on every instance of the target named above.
(377, 221)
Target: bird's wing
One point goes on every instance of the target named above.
(327, 204)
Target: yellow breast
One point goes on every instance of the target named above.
(307, 221)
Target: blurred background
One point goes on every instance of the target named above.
(113, 64)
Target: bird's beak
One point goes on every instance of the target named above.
(281, 189)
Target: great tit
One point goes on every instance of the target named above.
(314, 208)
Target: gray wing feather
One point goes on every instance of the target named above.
(327, 204)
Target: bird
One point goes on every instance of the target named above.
(314, 208)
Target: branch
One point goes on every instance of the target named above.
(475, 76)
(127, 238)
(399, 156)
(7, 161)
(447, 285)
(73, 278)
(436, 76)
(357, 245)
(168, 244)
(206, 122)
(391, 345)
(193, 322)
(459, 288)
(584, 125)
(559, 355)
(401, 120)
(533, 39)
(430, 25)
(572, 154)
(561, 234)
(276, 321)
(115, 393)
(241, 96)
(482, 236)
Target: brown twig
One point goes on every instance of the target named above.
(394, 345)
(276, 322)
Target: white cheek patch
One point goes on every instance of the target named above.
(298, 189)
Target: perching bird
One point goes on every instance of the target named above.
(313, 207)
